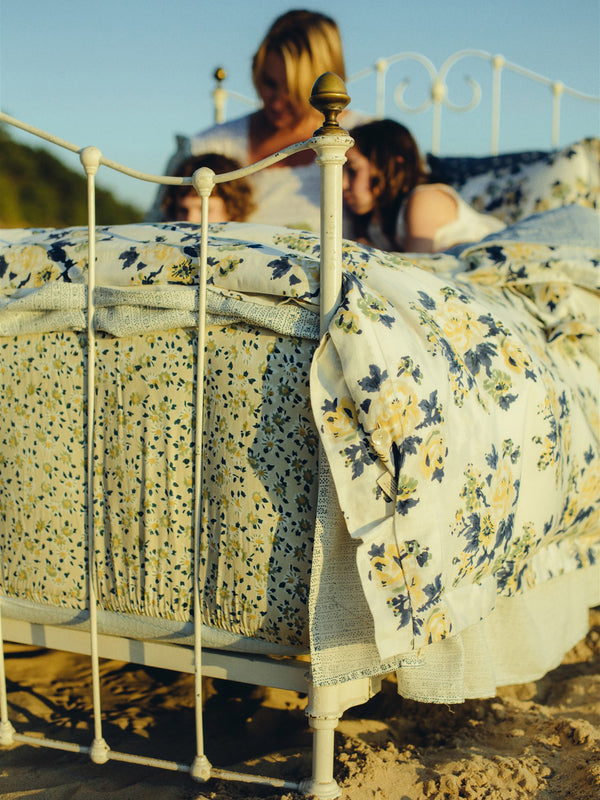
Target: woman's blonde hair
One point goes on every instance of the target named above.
(309, 43)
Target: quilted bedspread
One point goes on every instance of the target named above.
(456, 398)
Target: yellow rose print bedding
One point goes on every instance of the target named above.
(456, 398)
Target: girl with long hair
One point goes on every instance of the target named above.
(395, 203)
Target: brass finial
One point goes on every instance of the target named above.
(219, 74)
(329, 96)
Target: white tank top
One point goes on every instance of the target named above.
(469, 225)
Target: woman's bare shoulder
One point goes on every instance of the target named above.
(428, 208)
(431, 199)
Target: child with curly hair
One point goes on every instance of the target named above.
(229, 202)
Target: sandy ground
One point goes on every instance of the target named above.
(539, 740)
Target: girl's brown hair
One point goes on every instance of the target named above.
(397, 167)
(237, 194)
(309, 43)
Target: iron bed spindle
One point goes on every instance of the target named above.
(204, 184)
(90, 158)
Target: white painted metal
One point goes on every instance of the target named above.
(203, 181)
(90, 158)
(7, 731)
(166, 180)
(324, 708)
(289, 673)
(437, 91)
(331, 156)
(325, 704)
(221, 95)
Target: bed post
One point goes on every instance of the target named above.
(330, 143)
(7, 731)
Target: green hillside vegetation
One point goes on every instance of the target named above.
(58, 200)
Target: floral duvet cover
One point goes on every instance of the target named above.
(456, 398)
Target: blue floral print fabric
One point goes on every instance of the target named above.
(513, 186)
(471, 421)
(456, 398)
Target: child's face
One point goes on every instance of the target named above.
(189, 209)
(357, 183)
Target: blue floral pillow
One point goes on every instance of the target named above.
(514, 186)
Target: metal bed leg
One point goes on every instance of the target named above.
(326, 704)
(323, 712)
(7, 732)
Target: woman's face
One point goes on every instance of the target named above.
(272, 88)
(357, 183)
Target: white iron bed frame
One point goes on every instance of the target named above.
(326, 703)
(436, 85)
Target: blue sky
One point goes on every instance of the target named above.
(127, 75)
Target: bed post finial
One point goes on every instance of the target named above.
(329, 96)
(219, 95)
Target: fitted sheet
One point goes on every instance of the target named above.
(259, 492)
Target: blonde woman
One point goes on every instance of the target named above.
(298, 48)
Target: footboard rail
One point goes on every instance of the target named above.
(330, 143)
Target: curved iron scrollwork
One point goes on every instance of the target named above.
(438, 93)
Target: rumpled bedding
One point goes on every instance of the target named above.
(456, 398)
(459, 412)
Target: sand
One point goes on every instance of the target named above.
(539, 740)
